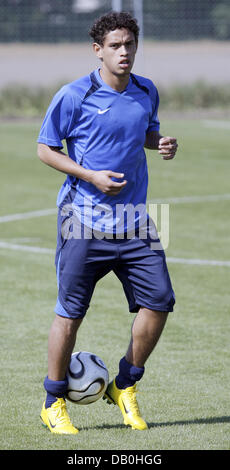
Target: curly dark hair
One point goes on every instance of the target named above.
(110, 22)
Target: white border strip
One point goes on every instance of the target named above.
(37, 249)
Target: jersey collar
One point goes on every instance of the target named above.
(98, 76)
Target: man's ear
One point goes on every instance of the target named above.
(98, 50)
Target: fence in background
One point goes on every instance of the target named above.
(69, 20)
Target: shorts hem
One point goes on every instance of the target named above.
(157, 308)
(61, 312)
(71, 316)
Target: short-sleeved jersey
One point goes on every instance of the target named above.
(104, 130)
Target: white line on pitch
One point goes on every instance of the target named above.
(22, 240)
(200, 262)
(37, 249)
(191, 199)
(27, 215)
(168, 200)
(216, 124)
(32, 249)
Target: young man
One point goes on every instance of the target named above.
(106, 119)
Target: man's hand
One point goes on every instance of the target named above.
(53, 157)
(167, 147)
(103, 181)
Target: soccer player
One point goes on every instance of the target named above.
(106, 119)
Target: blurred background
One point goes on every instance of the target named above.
(184, 48)
(69, 20)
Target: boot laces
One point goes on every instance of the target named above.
(60, 412)
(130, 394)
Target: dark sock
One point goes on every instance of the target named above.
(128, 374)
(55, 389)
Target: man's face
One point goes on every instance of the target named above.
(118, 52)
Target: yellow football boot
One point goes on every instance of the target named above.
(56, 418)
(126, 400)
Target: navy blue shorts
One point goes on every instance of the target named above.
(81, 262)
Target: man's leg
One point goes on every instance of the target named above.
(146, 331)
(62, 339)
(144, 275)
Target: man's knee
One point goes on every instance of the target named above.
(153, 314)
(69, 325)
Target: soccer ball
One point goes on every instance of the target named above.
(88, 378)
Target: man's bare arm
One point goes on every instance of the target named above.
(166, 146)
(58, 160)
(152, 140)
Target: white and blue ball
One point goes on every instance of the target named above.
(88, 378)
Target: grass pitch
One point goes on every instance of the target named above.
(184, 394)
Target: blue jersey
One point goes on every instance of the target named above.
(104, 130)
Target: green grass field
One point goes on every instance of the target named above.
(184, 394)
